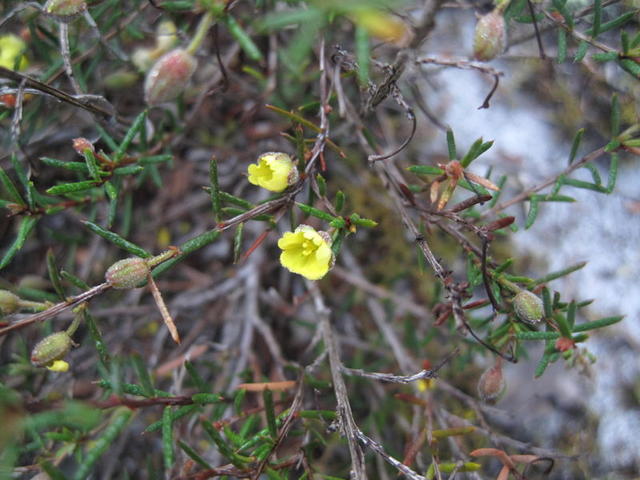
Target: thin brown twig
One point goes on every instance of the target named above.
(345, 415)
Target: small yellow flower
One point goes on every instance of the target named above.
(12, 49)
(306, 252)
(274, 171)
(58, 366)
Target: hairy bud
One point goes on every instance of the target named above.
(491, 384)
(528, 307)
(127, 273)
(490, 36)
(9, 302)
(169, 76)
(65, 9)
(51, 348)
(81, 144)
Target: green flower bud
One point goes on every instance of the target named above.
(51, 348)
(9, 302)
(491, 385)
(65, 10)
(528, 307)
(490, 36)
(127, 273)
(169, 76)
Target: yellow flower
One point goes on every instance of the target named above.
(306, 252)
(274, 171)
(12, 50)
(58, 366)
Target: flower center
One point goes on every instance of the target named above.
(308, 248)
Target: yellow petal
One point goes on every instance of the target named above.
(59, 366)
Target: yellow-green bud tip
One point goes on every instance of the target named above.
(65, 9)
(9, 302)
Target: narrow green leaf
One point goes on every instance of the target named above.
(613, 173)
(559, 274)
(72, 187)
(496, 196)
(143, 375)
(112, 194)
(615, 23)
(71, 166)
(615, 116)
(336, 243)
(542, 365)
(129, 136)
(533, 212)
(575, 145)
(537, 335)
(92, 164)
(584, 185)
(101, 445)
(96, 336)
(595, 174)
(309, 210)
(243, 39)
(556, 198)
(546, 303)
(176, 415)
(339, 201)
(363, 55)
(194, 455)
(188, 247)
(281, 19)
(53, 472)
(571, 313)
(267, 396)
(562, 46)
(118, 240)
(603, 322)
(630, 66)
(167, 439)
(106, 138)
(582, 51)
(24, 180)
(605, 56)
(425, 170)
(237, 242)
(26, 225)
(154, 159)
(128, 170)
(223, 445)
(81, 284)
(477, 149)
(597, 18)
(322, 185)
(215, 189)
(451, 145)
(563, 325)
(10, 188)
(54, 274)
(195, 376)
(363, 222)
